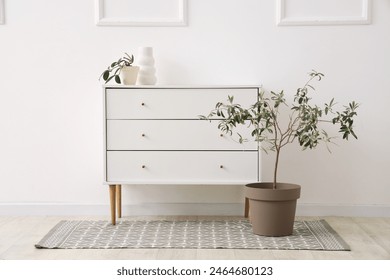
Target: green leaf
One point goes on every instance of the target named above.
(106, 74)
(117, 79)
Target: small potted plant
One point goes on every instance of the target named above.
(122, 71)
(272, 204)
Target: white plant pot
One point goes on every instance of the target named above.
(129, 75)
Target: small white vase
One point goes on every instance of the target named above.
(147, 71)
(129, 75)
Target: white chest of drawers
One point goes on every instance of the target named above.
(153, 135)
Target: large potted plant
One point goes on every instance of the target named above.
(122, 71)
(272, 204)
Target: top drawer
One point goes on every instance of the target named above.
(166, 103)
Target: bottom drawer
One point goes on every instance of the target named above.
(181, 167)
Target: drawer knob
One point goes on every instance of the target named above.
(221, 166)
(143, 166)
(143, 104)
(143, 134)
(221, 135)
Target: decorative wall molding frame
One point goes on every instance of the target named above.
(283, 19)
(2, 12)
(102, 20)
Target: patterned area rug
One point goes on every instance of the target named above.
(202, 234)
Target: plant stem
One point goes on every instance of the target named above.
(276, 167)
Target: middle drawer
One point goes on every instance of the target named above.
(173, 135)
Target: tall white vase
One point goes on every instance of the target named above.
(147, 71)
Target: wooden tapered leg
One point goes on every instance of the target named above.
(119, 200)
(112, 203)
(246, 211)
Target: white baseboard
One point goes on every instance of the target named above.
(198, 209)
(63, 209)
(309, 209)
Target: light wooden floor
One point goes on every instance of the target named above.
(369, 238)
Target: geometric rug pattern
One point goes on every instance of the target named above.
(196, 234)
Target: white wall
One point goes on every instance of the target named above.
(52, 53)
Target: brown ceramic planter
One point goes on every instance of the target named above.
(272, 212)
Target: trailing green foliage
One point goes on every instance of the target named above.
(302, 123)
(113, 71)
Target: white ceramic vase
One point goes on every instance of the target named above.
(147, 71)
(129, 75)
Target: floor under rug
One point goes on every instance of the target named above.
(196, 234)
